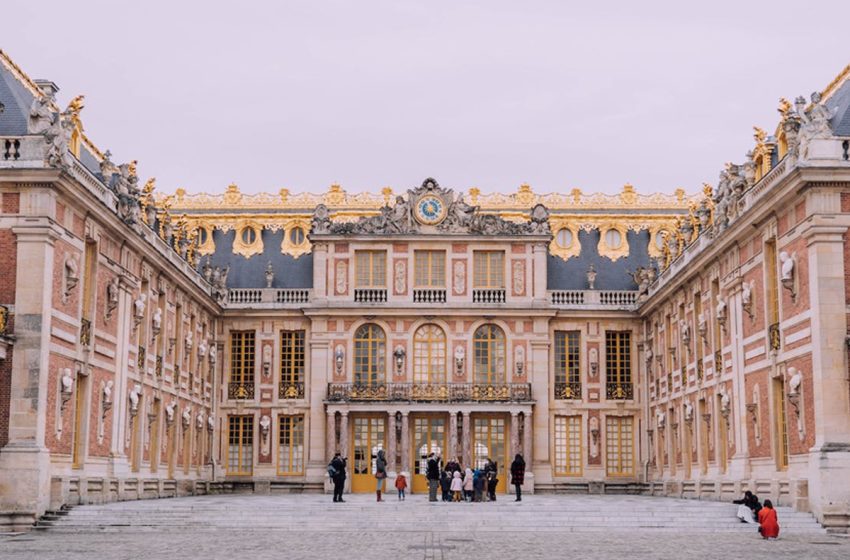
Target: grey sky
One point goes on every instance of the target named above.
(300, 94)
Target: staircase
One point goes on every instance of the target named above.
(316, 513)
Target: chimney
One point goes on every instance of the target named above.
(48, 87)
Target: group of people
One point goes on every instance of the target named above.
(453, 481)
(750, 510)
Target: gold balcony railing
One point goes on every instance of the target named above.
(429, 392)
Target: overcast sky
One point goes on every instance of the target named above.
(368, 93)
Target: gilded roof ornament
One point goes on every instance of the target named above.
(785, 107)
(759, 135)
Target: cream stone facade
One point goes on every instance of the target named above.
(682, 345)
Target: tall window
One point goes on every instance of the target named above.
(619, 446)
(618, 364)
(489, 269)
(370, 352)
(772, 293)
(781, 424)
(430, 269)
(567, 376)
(371, 268)
(89, 289)
(240, 449)
(718, 335)
(290, 451)
(489, 349)
(429, 355)
(568, 440)
(291, 357)
(242, 356)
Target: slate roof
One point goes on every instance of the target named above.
(17, 101)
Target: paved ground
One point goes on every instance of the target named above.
(301, 527)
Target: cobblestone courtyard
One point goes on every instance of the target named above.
(296, 527)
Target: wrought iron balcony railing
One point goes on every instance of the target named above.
(291, 390)
(619, 391)
(240, 390)
(430, 392)
(568, 391)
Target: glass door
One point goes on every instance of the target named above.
(489, 441)
(369, 438)
(429, 436)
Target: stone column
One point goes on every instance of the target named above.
(539, 463)
(514, 434)
(467, 439)
(25, 461)
(405, 441)
(124, 315)
(391, 443)
(343, 433)
(331, 435)
(540, 255)
(452, 453)
(829, 459)
(320, 265)
(527, 430)
(315, 389)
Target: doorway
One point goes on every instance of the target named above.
(429, 436)
(369, 438)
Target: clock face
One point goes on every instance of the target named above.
(430, 210)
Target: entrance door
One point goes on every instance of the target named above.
(489, 441)
(429, 436)
(369, 438)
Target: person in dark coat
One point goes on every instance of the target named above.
(336, 470)
(749, 502)
(491, 472)
(518, 475)
(446, 485)
(432, 473)
(380, 473)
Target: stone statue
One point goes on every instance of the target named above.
(321, 222)
(106, 397)
(459, 216)
(207, 271)
(269, 275)
(721, 311)
(213, 354)
(787, 267)
(591, 278)
(747, 298)
(685, 333)
(188, 342)
(219, 283)
(111, 297)
(67, 381)
(134, 395)
(199, 421)
(186, 418)
(460, 354)
(399, 219)
(814, 122)
(539, 220)
(148, 202)
(41, 116)
(72, 277)
(58, 137)
(170, 409)
(157, 321)
(202, 349)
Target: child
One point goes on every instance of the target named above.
(478, 482)
(457, 486)
(400, 484)
(467, 485)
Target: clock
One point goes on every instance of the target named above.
(430, 210)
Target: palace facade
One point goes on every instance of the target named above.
(686, 345)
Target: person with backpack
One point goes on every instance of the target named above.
(336, 472)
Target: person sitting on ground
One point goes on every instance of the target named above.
(400, 485)
(446, 485)
(748, 507)
(768, 523)
(468, 487)
(457, 486)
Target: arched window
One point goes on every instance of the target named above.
(489, 353)
(429, 355)
(370, 352)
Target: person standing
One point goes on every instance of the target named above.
(380, 473)
(432, 473)
(768, 522)
(446, 485)
(336, 470)
(518, 475)
(457, 486)
(400, 485)
(491, 472)
(468, 484)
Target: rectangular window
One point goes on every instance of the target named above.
(489, 270)
(292, 364)
(290, 451)
(567, 374)
(240, 449)
(568, 448)
(242, 357)
(430, 269)
(618, 364)
(619, 446)
(772, 297)
(371, 269)
(781, 424)
(715, 326)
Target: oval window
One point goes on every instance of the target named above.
(249, 235)
(659, 239)
(296, 236)
(564, 238)
(613, 239)
(203, 235)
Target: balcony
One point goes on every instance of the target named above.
(568, 391)
(619, 391)
(488, 296)
(370, 295)
(270, 298)
(429, 295)
(291, 390)
(240, 391)
(594, 299)
(429, 392)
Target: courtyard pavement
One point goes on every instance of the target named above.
(292, 527)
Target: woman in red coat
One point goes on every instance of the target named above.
(768, 523)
